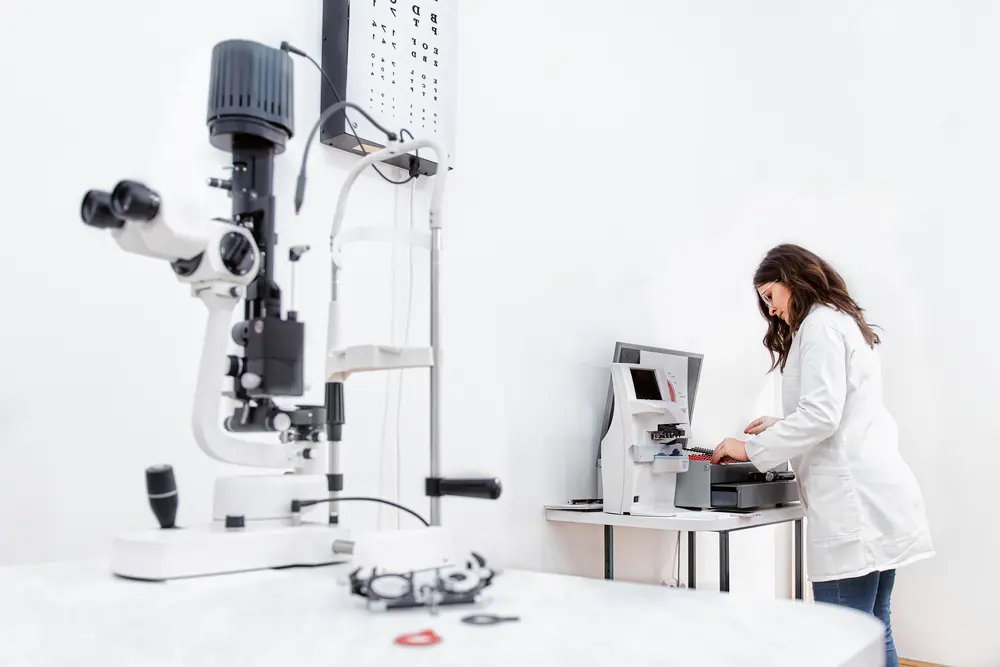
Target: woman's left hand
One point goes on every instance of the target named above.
(730, 448)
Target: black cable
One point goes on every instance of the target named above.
(285, 46)
(299, 504)
(300, 185)
(415, 162)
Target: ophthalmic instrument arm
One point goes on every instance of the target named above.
(232, 261)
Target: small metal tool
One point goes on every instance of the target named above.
(488, 619)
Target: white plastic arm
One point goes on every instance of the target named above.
(332, 337)
(412, 238)
(437, 193)
(168, 236)
(208, 399)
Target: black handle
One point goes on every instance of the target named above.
(771, 476)
(334, 403)
(161, 487)
(484, 487)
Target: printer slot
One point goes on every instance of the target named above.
(734, 486)
(753, 495)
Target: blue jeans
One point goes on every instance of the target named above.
(870, 594)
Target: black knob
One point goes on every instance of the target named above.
(241, 333)
(238, 253)
(162, 490)
(296, 251)
(235, 366)
(131, 200)
(95, 210)
(334, 405)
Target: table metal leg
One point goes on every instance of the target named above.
(692, 559)
(609, 552)
(799, 583)
(724, 561)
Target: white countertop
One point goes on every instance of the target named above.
(683, 520)
(78, 614)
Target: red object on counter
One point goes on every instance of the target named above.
(425, 638)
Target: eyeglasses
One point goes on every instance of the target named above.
(765, 299)
(456, 583)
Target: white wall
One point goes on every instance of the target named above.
(622, 170)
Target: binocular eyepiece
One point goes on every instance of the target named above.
(128, 201)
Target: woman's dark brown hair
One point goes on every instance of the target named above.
(810, 280)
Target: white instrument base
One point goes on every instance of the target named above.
(159, 555)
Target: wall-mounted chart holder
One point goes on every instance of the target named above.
(397, 58)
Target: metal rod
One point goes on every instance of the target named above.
(435, 471)
(333, 340)
(609, 552)
(333, 468)
(724, 561)
(798, 560)
(692, 559)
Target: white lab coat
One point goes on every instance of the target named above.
(864, 509)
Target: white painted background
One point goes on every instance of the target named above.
(622, 172)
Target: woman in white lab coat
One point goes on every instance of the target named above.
(865, 515)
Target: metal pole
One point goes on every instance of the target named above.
(333, 446)
(692, 559)
(333, 469)
(798, 560)
(435, 471)
(724, 561)
(609, 552)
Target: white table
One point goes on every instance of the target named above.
(64, 615)
(691, 522)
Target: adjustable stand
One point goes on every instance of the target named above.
(342, 362)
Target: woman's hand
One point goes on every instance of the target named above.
(730, 448)
(760, 425)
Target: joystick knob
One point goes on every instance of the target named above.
(162, 490)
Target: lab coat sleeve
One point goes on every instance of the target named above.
(822, 391)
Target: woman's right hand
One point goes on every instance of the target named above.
(760, 425)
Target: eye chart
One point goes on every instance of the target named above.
(397, 59)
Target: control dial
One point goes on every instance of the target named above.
(237, 252)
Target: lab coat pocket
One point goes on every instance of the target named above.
(832, 503)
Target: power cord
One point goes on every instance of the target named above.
(398, 374)
(674, 578)
(390, 374)
(300, 185)
(406, 340)
(298, 505)
(285, 46)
